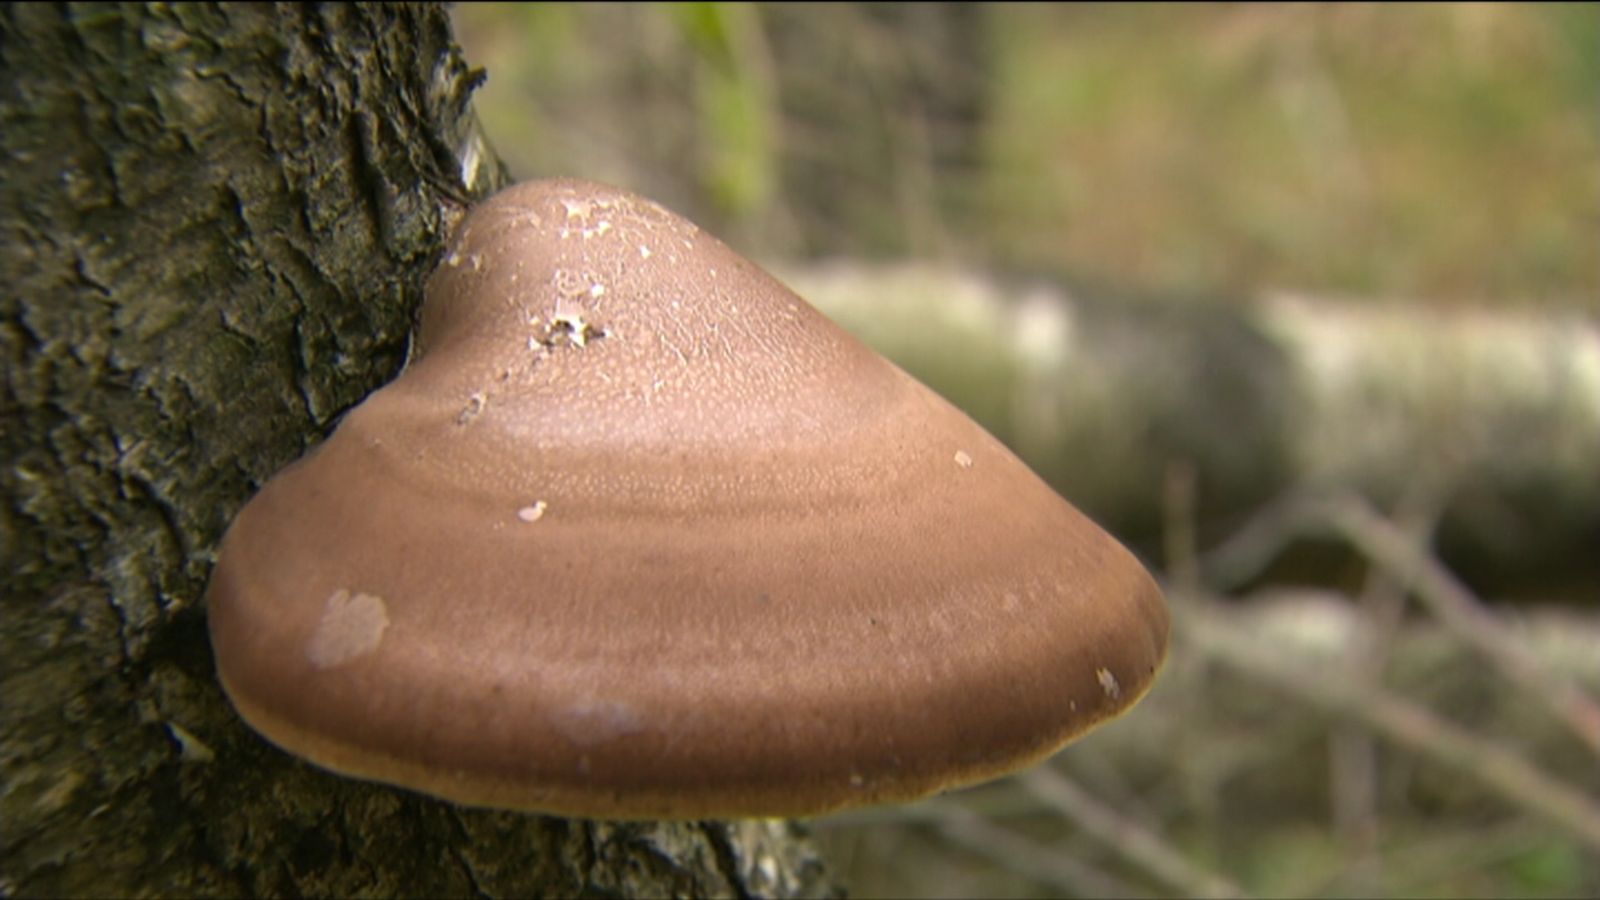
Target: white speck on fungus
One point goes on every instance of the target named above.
(532, 513)
(1108, 683)
(963, 459)
(351, 626)
(591, 722)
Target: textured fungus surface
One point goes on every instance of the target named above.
(640, 534)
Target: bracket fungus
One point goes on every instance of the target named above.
(640, 534)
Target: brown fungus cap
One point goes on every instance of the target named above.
(640, 534)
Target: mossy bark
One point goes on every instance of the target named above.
(217, 219)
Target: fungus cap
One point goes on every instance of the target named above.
(640, 534)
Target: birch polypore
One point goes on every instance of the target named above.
(640, 534)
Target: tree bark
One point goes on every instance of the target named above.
(217, 219)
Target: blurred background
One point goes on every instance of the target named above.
(1298, 300)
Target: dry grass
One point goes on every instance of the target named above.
(1443, 151)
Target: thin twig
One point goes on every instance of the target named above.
(1461, 611)
(1179, 502)
(1189, 676)
(1127, 838)
(1404, 722)
(1250, 549)
(1352, 749)
(1043, 864)
(1298, 515)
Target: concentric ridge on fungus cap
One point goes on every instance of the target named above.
(640, 534)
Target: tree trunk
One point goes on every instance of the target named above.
(217, 219)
